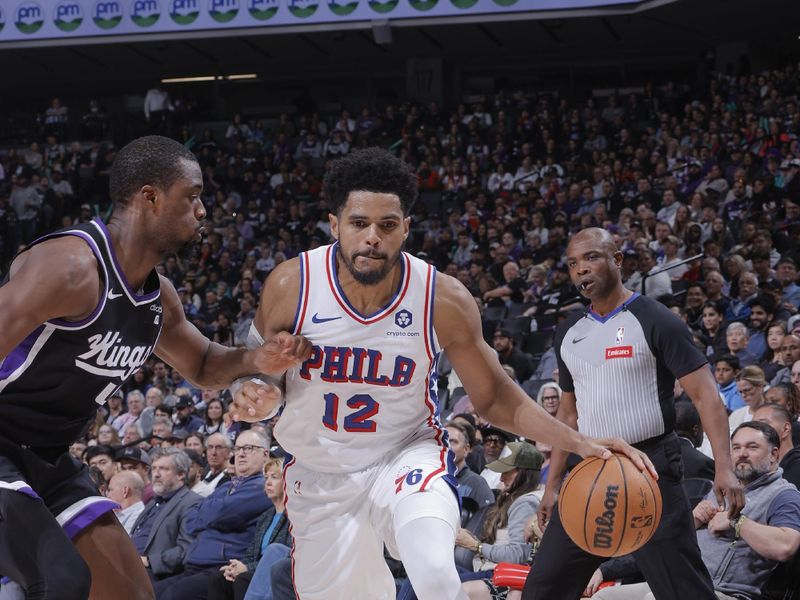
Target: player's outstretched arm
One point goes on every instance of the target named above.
(492, 392)
(56, 279)
(211, 365)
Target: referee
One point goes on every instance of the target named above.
(618, 361)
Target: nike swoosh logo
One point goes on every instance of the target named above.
(576, 340)
(113, 296)
(317, 319)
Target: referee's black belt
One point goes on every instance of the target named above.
(653, 442)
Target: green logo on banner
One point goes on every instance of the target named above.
(465, 3)
(107, 15)
(506, 2)
(383, 7)
(68, 15)
(342, 8)
(145, 12)
(184, 12)
(223, 11)
(262, 9)
(303, 8)
(423, 4)
(29, 17)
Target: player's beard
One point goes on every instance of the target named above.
(374, 276)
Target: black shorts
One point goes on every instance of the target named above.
(58, 479)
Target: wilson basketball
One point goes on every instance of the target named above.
(609, 507)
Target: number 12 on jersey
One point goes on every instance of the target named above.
(365, 407)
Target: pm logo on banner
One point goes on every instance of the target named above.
(303, 8)
(68, 15)
(145, 13)
(29, 17)
(223, 11)
(107, 14)
(184, 12)
(340, 8)
(262, 9)
(383, 6)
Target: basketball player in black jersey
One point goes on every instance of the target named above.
(82, 310)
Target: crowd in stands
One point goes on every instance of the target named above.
(700, 189)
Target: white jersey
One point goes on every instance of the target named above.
(369, 388)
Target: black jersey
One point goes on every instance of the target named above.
(53, 381)
(622, 368)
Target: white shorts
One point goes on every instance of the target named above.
(340, 522)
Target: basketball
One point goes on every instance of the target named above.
(609, 507)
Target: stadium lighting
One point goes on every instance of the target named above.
(205, 78)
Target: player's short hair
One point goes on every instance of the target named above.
(766, 429)
(149, 160)
(370, 170)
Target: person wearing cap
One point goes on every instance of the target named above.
(521, 362)
(495, 442)
(186, 419)
(503, 537)
(136, 460)
(160, 533)
(125, 488)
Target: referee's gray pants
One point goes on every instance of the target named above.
(670, 561)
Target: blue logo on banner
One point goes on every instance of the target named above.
(184, 12)
(145, 12)
(68, 15)
(223, 11)
(262, 9)
(29, 17)
(403, 318)
(107, 14)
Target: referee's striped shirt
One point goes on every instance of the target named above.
(622, 368)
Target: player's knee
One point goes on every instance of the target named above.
(437, 580)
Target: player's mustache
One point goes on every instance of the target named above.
(369, 254)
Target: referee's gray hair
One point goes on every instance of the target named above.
(179, 459)
(736, 326)
(135, 394)
(549, 384)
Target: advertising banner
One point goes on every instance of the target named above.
(26, 20)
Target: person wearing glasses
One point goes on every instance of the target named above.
(223, 525)
(218, 453)
(494, 445)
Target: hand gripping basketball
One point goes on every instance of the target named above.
(255, 401)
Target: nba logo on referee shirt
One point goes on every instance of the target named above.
(620, 335)
(403, 318)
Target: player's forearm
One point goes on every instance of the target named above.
(715, 424)
(222, 365)
(773, 543)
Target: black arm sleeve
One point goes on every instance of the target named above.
(670, 339)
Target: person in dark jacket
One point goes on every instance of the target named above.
(690, 431)
(249, 578)
(223, 524)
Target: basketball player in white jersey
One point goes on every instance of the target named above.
(369, 462)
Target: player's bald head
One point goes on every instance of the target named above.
(597, 237)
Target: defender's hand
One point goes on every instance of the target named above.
(281, 352)
(255, 401)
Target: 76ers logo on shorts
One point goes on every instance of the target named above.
(407, 476)
(403, 318)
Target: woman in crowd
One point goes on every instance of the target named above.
(750, 382)
(213, 418)
(549, 397)
(772, 361)
(712, 327)
(108, 436)
(196, 441)
(503, 537)
(250, 578)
